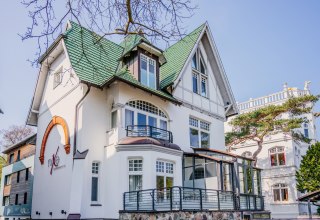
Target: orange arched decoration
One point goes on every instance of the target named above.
(56, 120)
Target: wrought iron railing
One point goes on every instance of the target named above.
(149, 131)
(184, 198)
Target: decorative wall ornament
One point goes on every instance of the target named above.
(56, 120)
(54, 161)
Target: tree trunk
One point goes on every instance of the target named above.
(255, 154)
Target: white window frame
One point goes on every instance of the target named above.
(97, 175)
(57, 81)
(276, 152)
(200, 76)
(280, 186)
(148, 60)
(134, 172)
(159, 116)
(199, 129)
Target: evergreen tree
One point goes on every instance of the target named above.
(308, 176)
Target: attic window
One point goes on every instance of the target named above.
(147, 71)
(199, 74)
(57, 78)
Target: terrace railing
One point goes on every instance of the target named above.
(149, 131)
(184, 198)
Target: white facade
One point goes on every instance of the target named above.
(278, 175)
(106, 162)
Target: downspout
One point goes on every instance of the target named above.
(76, 120)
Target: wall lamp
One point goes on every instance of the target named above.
(63, 212)
(37, 213)
(50, 213)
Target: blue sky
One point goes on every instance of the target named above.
(262, 44)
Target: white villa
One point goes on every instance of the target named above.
(280, 157)
(129, 127)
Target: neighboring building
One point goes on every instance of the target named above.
(280, 157)
(17, 180)
(115, 118)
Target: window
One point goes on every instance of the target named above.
(18, 156)
(147, 71)
(306, 130)
(199, 74)
(199, 133)
(57, 78)
(114, 119)
(164, 178)
(11, 158)
(145, 113)
(7, 180)
(135, 174)
(25, 198)
(277, 156)
(27, 174)
(95, 181)
(280, 193)
(16, 199)
(6, 201)
(18, 176)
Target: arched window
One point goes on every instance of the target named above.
(280, 192)
(277, 156)
(247, 154)
(140, 112)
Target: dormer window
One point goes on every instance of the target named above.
(199, 74)
(148, 71)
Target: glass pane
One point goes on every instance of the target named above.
(204, 87)
(135, 182)
(143, 71)
(194, 61)
(202, 68)
(211, 175)
(163, 125)
(274, 160)
(94, 189)
(276, 195)
(152, 121)
(160, 186)
(152, 75)
(199, 161)
(195, 83)
(129, 117)
(199, 181)
(255, 182)
(241, 180)
(204, 140)
(188, 177)
(284, 194)
(227, 179)
(249, 179)
(114, 119)
(306, 132)
(188, 161)
(282, 160)
(142, 119)
(194, 137)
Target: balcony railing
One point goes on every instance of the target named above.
(184, 198)
(149, 131)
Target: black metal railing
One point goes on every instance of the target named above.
(149, 131)
(184, 198)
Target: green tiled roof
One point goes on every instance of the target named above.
(131, 41)
(176, 56)
(96, 60)
(93, 62)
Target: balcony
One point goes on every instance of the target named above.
(149, 131)
(184, 199)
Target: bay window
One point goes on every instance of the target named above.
(147, 71)
(277, 156)
(199, 74)
(199, 133)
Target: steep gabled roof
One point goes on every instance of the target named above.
(177, 55)
(94, 59)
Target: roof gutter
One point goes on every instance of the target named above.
(52, 46)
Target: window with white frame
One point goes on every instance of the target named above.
(277, 156)
(199, 133)
(280, 192)
(306, 130)
(199, 74)
(140, 112)
(148, 71)
(95, 181)
(57, 78)
(164, 178)
(135, 168)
